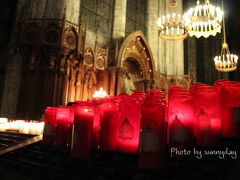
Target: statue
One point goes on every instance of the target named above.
(128, 85)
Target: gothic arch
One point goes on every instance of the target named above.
(89, 85)
(136, 57)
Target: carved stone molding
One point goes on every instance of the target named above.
(164, 81)
(88, 59)
(101, 59)
(70, 38)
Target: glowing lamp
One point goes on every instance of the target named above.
(225, 62)
(203, 20)
(172, 27)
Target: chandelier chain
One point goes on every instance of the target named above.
(224, 27)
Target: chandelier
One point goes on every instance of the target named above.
(203, 20)
(172, 26)
(226, 62)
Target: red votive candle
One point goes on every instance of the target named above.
(108, 126)
(62, 120)
(230, 94)
(152, 152)
(70, 121)
(50, 125)
(82, 141)
(208, 117)
(128, 126)
(181, 121)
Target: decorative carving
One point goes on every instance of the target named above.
(52, 50)
(100, 59)
(173, 4)
(82, 37)
(136, 57)
(88, 57)
(52, 34)
(137, 49)
(164, 81)
(30, 34)
(70, 38)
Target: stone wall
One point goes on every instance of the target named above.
(97, 17)
(12, 79)
(6, 23)
(136, 16)
(55, 9)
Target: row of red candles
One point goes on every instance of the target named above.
(144, 123)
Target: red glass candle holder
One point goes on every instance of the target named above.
(50, 125)
(82, 140)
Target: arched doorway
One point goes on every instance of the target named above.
(135, 59)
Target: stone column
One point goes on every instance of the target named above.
(112, 79)
(13, 72)
(119, 19)
(152, 32)
(192, 56)
(11, 85)
(120, 74)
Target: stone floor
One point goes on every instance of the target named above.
(39, 161)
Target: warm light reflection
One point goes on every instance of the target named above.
(100, 93)
(3, 120)
(20, 126)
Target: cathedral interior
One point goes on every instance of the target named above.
(56, 55)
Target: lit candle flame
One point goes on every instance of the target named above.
(100, 93)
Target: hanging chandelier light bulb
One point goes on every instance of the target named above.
(203, 20)
(172, 26)
(226, 62)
